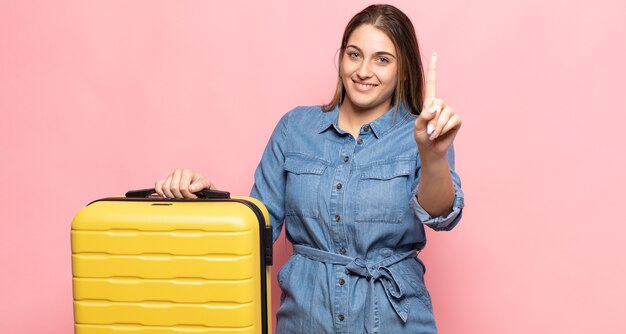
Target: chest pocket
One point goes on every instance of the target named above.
(302, 188)
(384, 192)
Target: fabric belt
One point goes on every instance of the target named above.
(382, 271)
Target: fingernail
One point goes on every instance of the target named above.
(433, 136)
(433, 109)
(429, 129)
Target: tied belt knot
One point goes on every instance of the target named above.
(381, 271)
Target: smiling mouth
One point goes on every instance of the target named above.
(362, 86)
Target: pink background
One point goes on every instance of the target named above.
(98, 97)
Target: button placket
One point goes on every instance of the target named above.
(365, 131)
(341, 301)
(339, 242)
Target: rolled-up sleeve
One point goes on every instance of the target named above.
(441, 223)
(270, 177)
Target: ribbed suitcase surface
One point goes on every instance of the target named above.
(157, 266)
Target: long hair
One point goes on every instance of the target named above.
(398, 27)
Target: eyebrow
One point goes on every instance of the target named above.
(375, 53)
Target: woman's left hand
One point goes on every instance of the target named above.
(437, 124)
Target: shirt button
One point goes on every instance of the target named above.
(337, 218)
(339, 186)
(366, 128)
(342, 281)
(340, 317)
(359, 141)
(346, 158)
(342, 250)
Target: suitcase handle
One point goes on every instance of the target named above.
(204, 193)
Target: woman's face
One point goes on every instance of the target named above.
(369, 69)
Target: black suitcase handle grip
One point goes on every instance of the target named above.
(204, 193)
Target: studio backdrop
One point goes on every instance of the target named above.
(99, 97)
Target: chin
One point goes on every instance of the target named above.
(362, 102)
(364, 105)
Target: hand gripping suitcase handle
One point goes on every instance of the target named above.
(204, 193)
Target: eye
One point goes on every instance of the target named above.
(383, 60)
(353, 55)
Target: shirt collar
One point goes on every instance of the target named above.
(328, 119)
(379, 126)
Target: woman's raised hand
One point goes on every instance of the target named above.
(437, 124)
(182, 183)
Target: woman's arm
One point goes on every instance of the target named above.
(434, 132)
(435, 192)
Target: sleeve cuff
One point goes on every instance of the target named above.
(439, 223)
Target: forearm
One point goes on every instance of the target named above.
(435, 192)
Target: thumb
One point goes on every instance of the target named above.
(199, 184)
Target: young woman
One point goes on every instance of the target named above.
(355, 181)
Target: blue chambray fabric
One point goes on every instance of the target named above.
(349, 206)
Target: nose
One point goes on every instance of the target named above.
(364, 71)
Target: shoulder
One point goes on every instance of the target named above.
(304, 112)
(297, 119)
(302, 115)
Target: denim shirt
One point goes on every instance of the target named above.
(350, 209)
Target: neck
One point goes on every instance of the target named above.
(352, 118)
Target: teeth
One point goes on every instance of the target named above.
(364, 86)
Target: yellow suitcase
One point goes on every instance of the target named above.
(147, 265)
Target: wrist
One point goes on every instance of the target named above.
(434, 159)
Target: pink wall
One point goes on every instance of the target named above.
(98, 97)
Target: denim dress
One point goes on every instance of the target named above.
(350, 210)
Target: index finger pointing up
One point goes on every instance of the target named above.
(431, 77)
